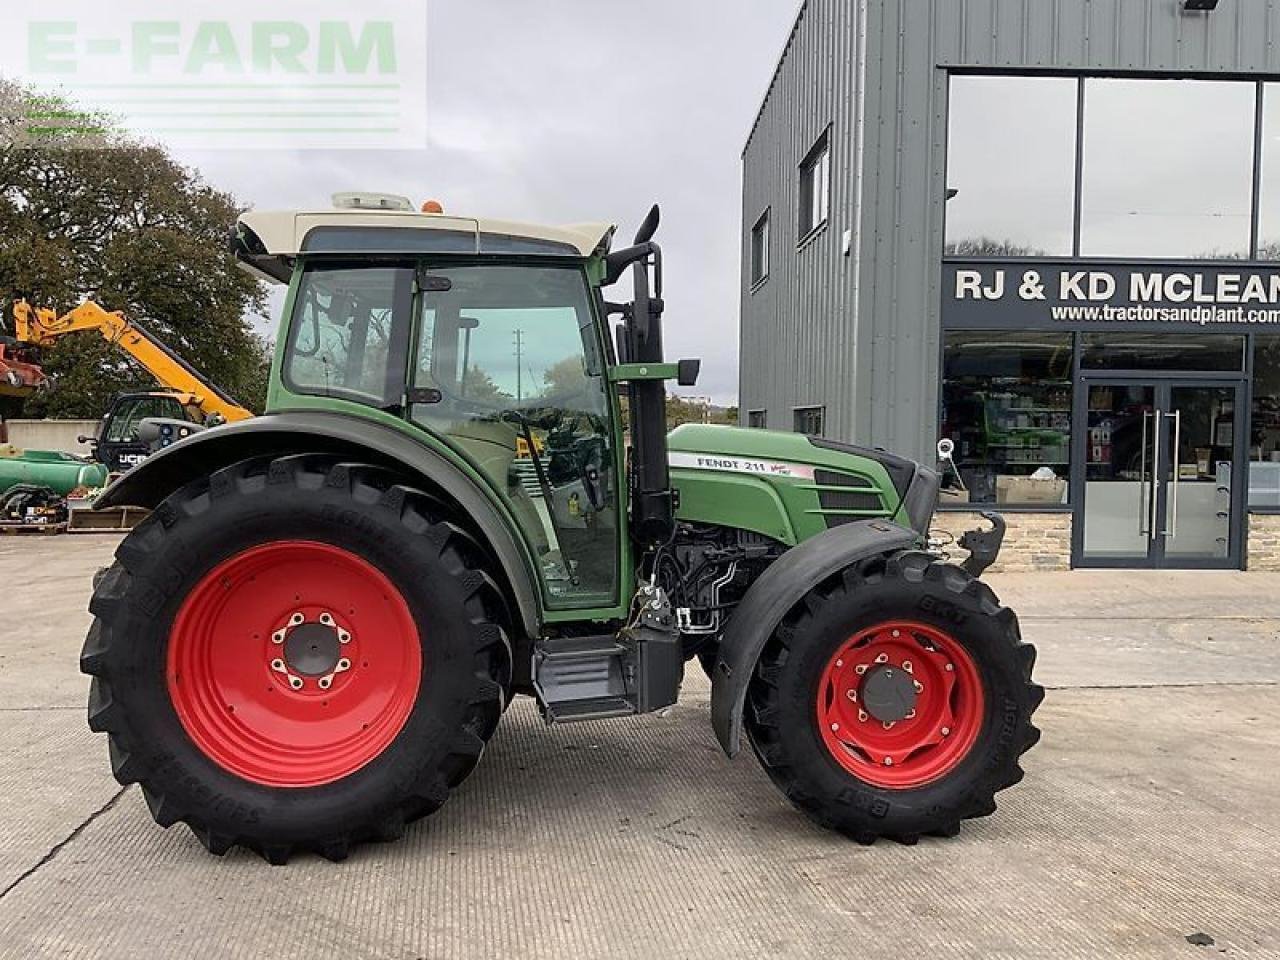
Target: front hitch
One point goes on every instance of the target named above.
(983, 545)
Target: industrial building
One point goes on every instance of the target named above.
(1048, 231)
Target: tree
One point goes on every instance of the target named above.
(89, 213)
(477, 385)
(564, 377)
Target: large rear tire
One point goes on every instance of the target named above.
(296, 655)
(895, 700)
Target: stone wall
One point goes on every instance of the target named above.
(1264, 542)
(1033, 542)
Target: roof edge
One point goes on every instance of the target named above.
(801, 10)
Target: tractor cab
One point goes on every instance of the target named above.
(121, 443)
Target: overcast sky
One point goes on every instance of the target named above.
(561, 111)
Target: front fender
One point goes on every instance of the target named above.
(147, 484)
(777, 590)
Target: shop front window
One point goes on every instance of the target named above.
(1162, 351)
(1006, 405)
(1011, 166)
(1264, 436)
(1168, 168)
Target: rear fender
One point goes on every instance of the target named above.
(776, 591)
(147, 484)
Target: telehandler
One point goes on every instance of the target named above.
(313, 636)
(139, 422)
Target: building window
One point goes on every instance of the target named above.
(1269, 205)
(1168, 168)
(760, 250)
(1162, 351)
(1264, 435)
(756, 419)
(815, 185)
(1006, 404)
(809, 420)
(1011, 160)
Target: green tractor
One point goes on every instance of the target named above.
(311, 639)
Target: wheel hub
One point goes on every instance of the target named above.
(294, 663)
(312, 649)
(888, 694)
(900, 704)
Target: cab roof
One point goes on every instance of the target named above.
(267, 242)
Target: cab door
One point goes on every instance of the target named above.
(508, 368)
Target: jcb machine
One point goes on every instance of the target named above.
(312, 638)
(188, 403)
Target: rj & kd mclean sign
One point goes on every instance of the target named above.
(1037, 292)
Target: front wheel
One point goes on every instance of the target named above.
(895, 700)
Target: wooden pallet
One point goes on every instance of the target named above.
(111, 520)
(32, 529)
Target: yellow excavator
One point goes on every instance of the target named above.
(186, 402)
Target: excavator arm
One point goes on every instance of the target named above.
(41, 326)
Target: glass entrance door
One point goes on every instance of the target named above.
(1120, 458)
(1158, 488)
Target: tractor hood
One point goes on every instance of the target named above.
(788, 486)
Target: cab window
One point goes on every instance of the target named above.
(349, 330)
(127, 418)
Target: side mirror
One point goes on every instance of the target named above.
(687, 372)
(648, 227)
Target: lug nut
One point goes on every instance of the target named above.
(296, 620)
(343, 664)
(882, 658)
(918, 685)
(888, 724)
(325, 682)
(326, 619)
(295, 682)
(862, 716)
(278, 666)
(853, 695)
(860, 669)
(911, 715)
(897, 633)
(946, 731)
(343, 636)
(950, 667)
(888, 761)
(278, 637)
(906, 665)
(835, 726)
(839, 663)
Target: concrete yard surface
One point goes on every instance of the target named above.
(1148, 824)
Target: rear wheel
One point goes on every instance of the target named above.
(895, 700)
(296, 655)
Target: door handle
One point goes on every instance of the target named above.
(1152, 519)
(1144, 505)
(1171, 530)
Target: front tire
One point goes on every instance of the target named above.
(296, 655)
(895, 700)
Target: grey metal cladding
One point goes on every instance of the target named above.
(859, 333)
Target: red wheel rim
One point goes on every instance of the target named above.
(293, 664)
(900, 704)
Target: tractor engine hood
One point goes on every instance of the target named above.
(789, 486)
